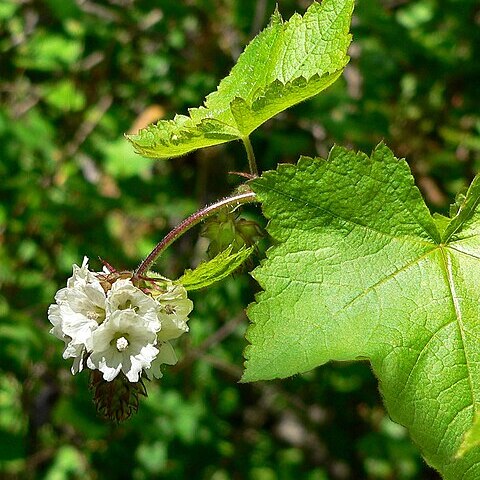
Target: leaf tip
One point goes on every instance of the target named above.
(276, 18)
(131, 137)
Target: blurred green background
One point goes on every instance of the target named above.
(74, 76)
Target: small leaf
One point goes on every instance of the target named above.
(285, 64)
(361, 271)
(49, 52)
(208, 273)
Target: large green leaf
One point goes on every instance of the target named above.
(361, 271)
(285, 64)
(471, 438)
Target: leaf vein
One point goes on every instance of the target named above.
(391, 276)
(464, 252)
(442, 439)
(420, 354)
(458, 312)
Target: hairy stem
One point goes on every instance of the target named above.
(252, 163)
(188, 223)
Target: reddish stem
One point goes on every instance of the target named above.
(190, 222)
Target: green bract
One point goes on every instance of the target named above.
(221, 266)
(361, 271)
(284, 65)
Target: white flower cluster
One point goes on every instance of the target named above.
(117, 327)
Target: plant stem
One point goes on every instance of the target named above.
(252, 163)
(190, 222)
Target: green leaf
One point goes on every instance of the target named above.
(64, 96)
(360, 272)
(7, 9)
(208, 273)
(471, 438)
(49, 52)
(285, 64)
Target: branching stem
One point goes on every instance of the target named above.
(188, 223)
(252, 163)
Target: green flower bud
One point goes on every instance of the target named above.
(227, 228)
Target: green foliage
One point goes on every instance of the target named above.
(284, 65)
(471, 439)
(220, 267)
(69, 187)
(362, 272)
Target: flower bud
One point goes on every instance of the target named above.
(227, 228)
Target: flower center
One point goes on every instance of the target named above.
(97, 314)
(122, 344)
(125, 305)
(169, 309)
(128, 304)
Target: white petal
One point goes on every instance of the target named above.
(73, 350)
(77, 364)
(166, 355)
(139, 362)
(60, 295)
(171, 328)
(77, 326)
(109, 373)
(56, 320)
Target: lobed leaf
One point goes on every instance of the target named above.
(361, 271)
(221, 266)
(285, 64)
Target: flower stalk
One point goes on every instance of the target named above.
(190, 222)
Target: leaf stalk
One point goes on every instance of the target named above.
(252, 162)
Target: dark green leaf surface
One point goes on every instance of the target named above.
(285, 64)
(361, 271)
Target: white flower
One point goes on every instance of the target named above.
(71, 350)
(126, 342)
(104, 318)
(173, 311)
(82, 310)
(79, 309)
(124, 295)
